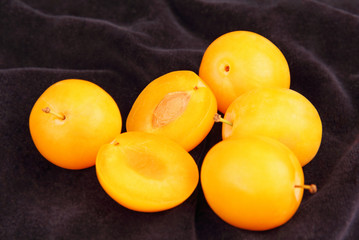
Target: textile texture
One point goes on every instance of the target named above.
(122, 46)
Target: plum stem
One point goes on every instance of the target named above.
(218, 118)
(312, 187)
(58, 115)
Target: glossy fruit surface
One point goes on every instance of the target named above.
(250, 182)
(71, 120)
(177, 105)
(282, 114)
(240, 61)
(146, 172)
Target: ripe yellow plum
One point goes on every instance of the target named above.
(71, 120)
(240, 61)
(146, 172)
(254, 183)
(178, 105)
(282, 114)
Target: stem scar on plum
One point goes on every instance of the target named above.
(115, 142)
(226, 68)
(58, 115)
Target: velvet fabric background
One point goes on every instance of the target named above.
(122, 46)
